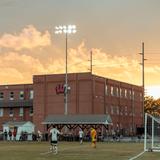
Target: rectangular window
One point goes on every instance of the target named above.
(117, 110)
(107, 110)
(1, 112)
(140, 96)
(106, 90)
(121, 92)
(117, 92)
(125, 92)
(11, 112)
(31, 94)
(21, 95)
(130, 94)
(133, 94)
(1, 95)
(31, 111)
(112, 91)
(11, 97)
(21, 112)
(126, 111)
(112, 110)
(121, 110)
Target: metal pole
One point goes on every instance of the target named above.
(145, 132)
(91, 61)
(66, 79)
(132, 97)
(152, 133)
(143, 80)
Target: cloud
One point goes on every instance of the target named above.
(31, 52)
(113, 67)
(29, 38)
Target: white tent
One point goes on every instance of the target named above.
(21, 127)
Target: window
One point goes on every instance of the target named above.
(107, 109)
(117, 92)
(21, 112)
(112, 110)
(133, 95)
(141, 98)
(11, 112)
(1, 95)
(31, 94)
(126, 110)
(11, 96)
(121, 92)
(117, 110)
(130, 94)
(31, 111)
(125, 93)
(21, 95)
(106, 90)
(112, 91)
(121, 110)
(1, 112)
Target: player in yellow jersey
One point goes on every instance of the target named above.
(93, 135)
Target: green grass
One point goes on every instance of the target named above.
(73, 151)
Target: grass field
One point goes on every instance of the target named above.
(73, 151)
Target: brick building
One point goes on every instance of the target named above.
(89, 94)
(16, 103)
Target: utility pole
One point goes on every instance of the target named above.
(66, 80)
(91, 61)
(143, 82)
(133, 110)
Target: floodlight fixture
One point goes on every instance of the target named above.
(65, 29)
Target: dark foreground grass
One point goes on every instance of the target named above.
(73, 151)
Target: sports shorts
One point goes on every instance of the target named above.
(54, 143)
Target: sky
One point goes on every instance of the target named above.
(113, 30)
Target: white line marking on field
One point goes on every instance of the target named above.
(44, 153)
(137, 156)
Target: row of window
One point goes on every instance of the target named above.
(11, 112)
(122, 92)
(21, 95)
(116, 110)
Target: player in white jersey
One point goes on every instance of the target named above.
(54, 132)
(81, 136)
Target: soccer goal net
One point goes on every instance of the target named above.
(152, 133)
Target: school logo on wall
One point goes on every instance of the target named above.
(60, 89)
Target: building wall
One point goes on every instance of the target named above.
(47, 101)
(124, 108)
(6, 103)
(89, 94)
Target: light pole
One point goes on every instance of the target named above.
(69, 29)
(143, 80)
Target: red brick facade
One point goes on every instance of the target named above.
(89, 94)
(12, 98)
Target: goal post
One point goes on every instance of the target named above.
(152, 133)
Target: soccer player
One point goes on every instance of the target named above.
(81, 136)
(93, 135)
(54, 132)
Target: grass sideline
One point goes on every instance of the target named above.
(73, 151)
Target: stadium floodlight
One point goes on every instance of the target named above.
(65, 29)
(69, 29)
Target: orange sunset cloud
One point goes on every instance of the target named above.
(33, 52)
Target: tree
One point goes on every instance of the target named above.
(152, 106)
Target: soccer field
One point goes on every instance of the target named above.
(73, 151)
